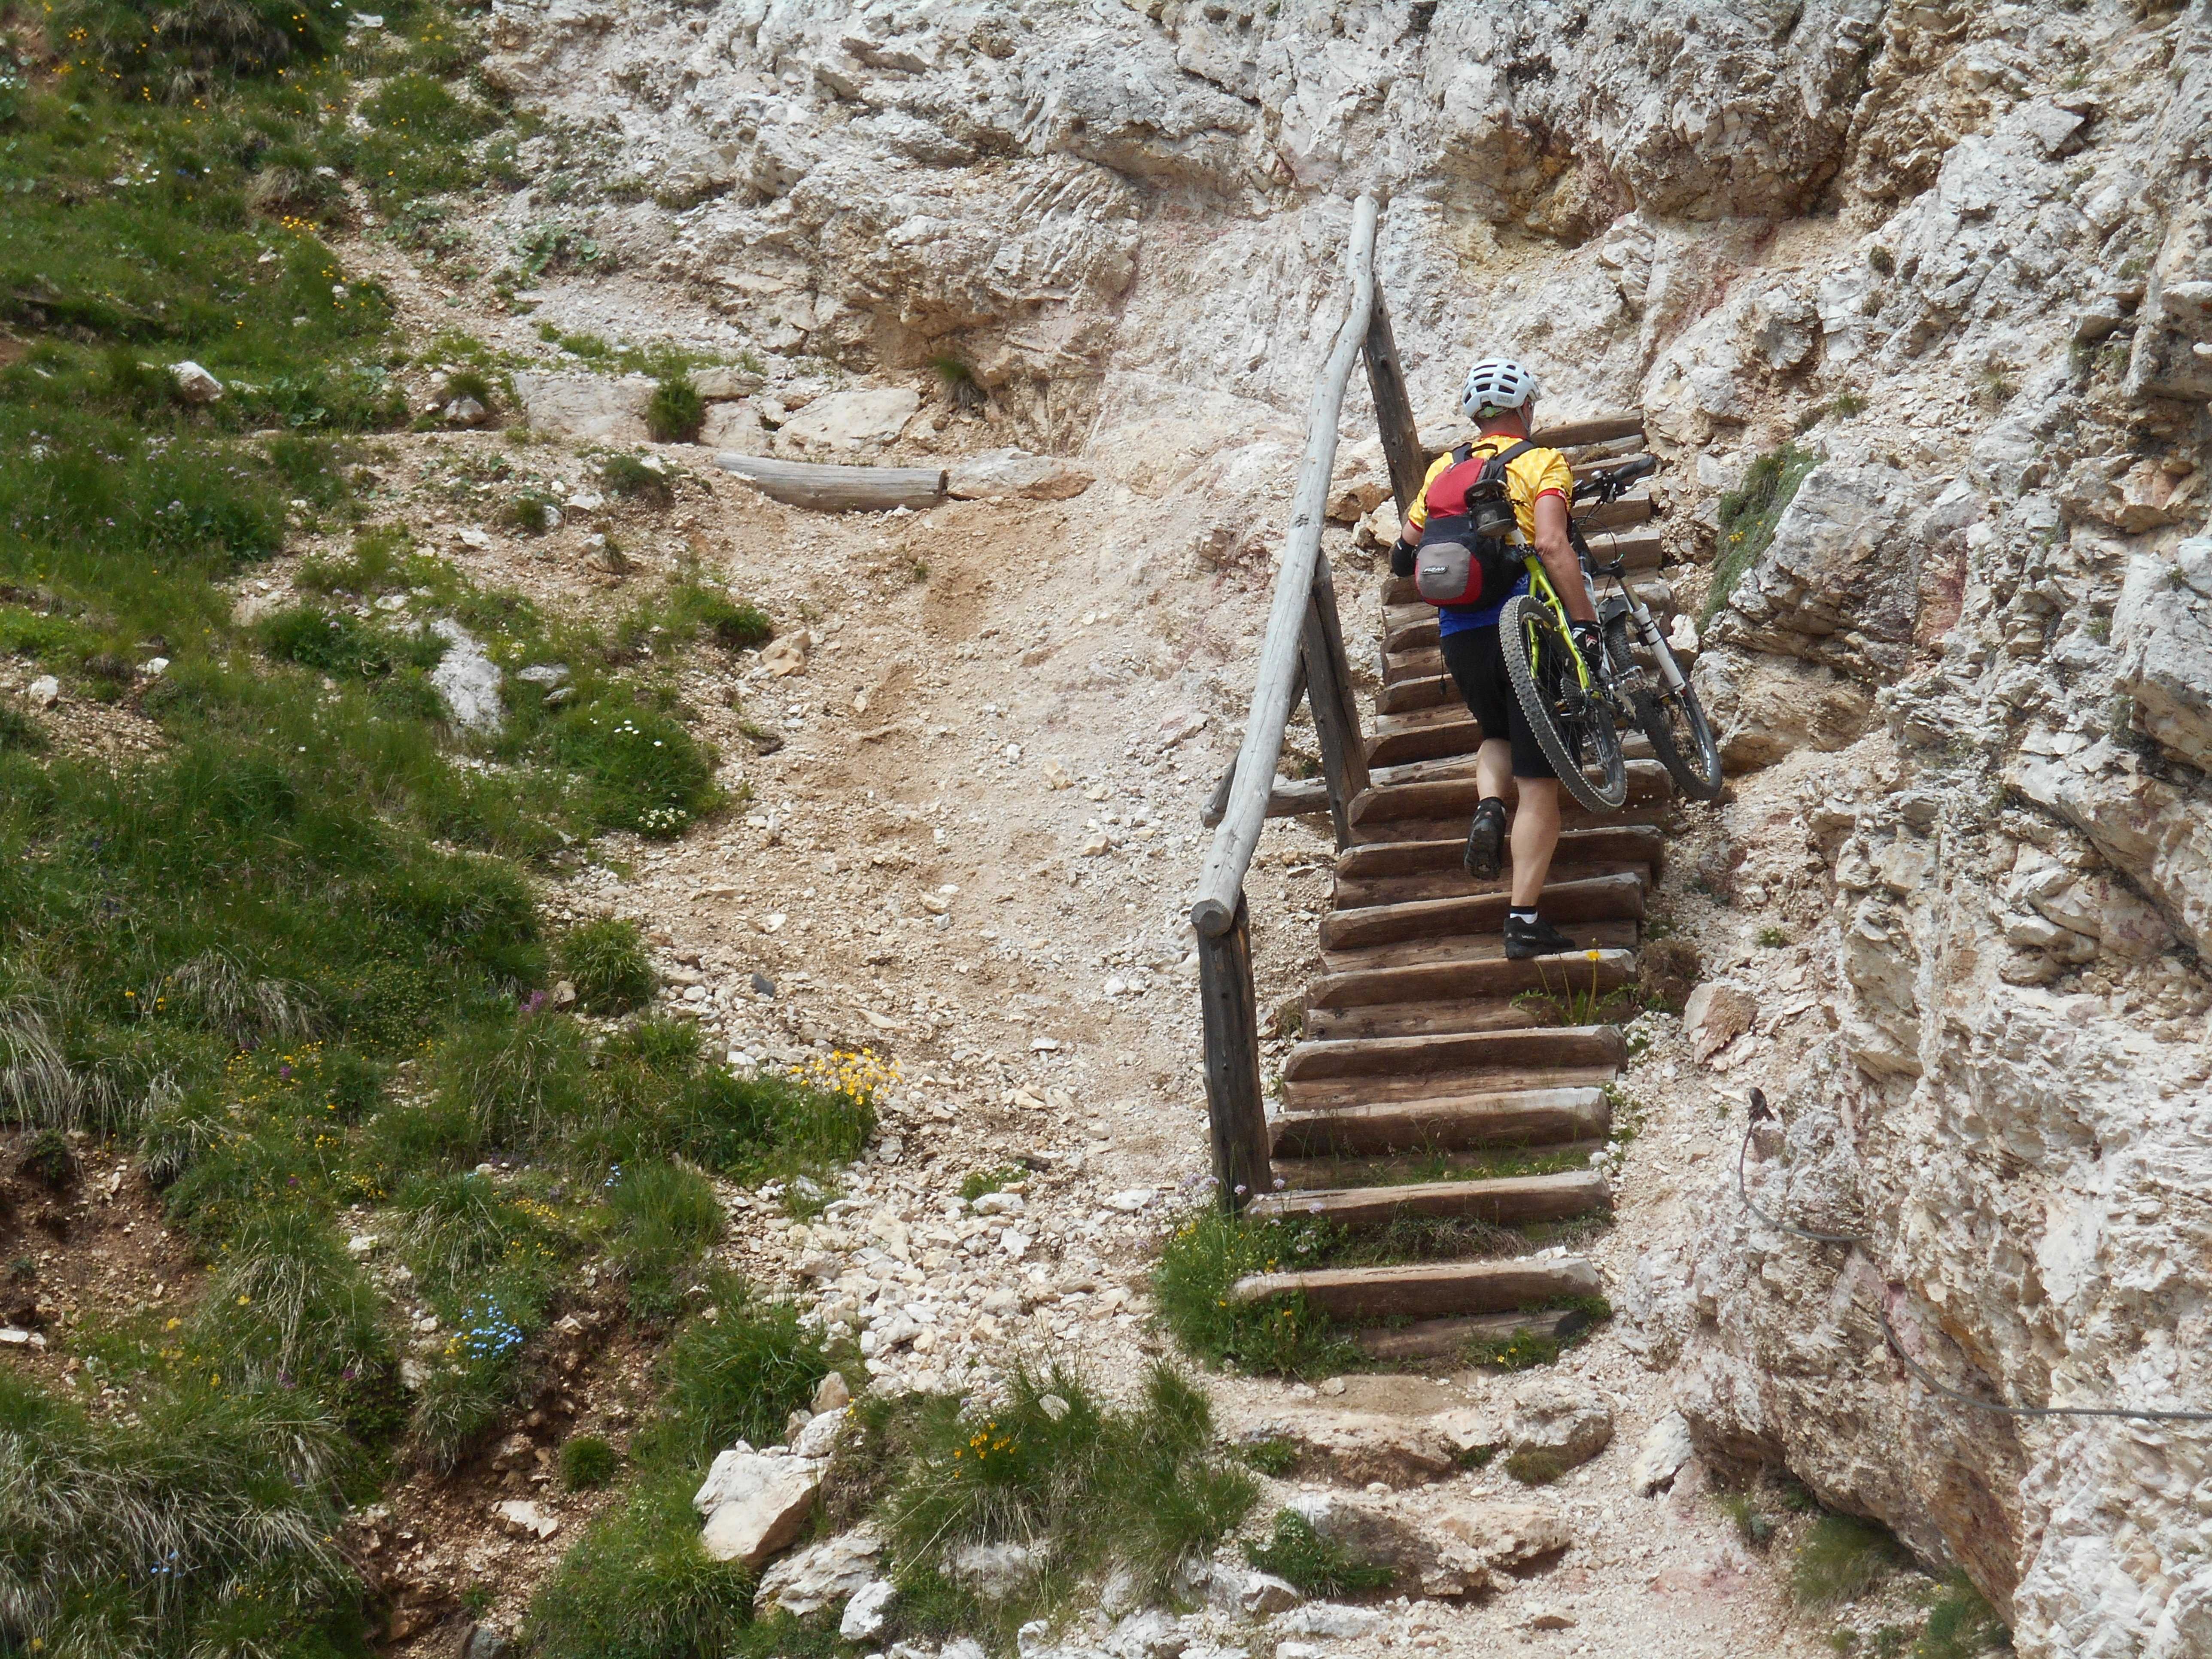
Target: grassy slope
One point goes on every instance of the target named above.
(295, 957)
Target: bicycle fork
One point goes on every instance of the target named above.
(1647, 629)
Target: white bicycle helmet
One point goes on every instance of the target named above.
(1494, 385)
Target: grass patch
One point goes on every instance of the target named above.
(1753, 1524)
(1317, 1565)
(664, 1216)
(977, 1182)
(1085, 1487)
(676, 411)
(1748, 516)
(1841, 1558)
(1283, 1336)
(605, 961)
(1275, 1456)
(1961, 1624)
(636, 477)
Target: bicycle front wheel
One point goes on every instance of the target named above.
(1682, 739)
(1573, 726)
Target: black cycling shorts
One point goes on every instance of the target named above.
(1477, 663)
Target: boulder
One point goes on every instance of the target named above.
(1764, 707)
(1444, 1549)
(722, 384)
(1330, 1620)
(868, 1611)
(735, 428)
(1358, 1447)
(851, 421)
(467, 680)
(831, 1394)
(587, 408)
(1555, 1426)
(821, 1574)
(1150, 1634)
(993, 1571)
(1000, 474)
(1716, 1015)
(1659, 1458)
(756, 1503)
(1829, 587)
(2162, 627)
(43, 692)
(194, 383)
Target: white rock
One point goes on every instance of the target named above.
(868, 1611)
(586, 407)
(1331, 1619)
(1264, 1595)
(811, 1579)
(467, 680)
(851, 421)
(819, 1438)
(194, 383)
(1131, 1200)
(756, 1503)
(1716, 1014)
(1000, 1204)
(785, 655)
(1665, 1449)
(993, 1571)
(525, 1519)
(43, 692)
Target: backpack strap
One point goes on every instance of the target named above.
(1504, 458)
(1462, 453)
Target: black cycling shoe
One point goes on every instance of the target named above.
(1539, 938)
(1485, 840)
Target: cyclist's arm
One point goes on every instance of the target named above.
(1560, 563)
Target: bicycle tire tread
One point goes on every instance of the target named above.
(1541, 722)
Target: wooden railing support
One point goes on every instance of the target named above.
(1235, 1105)
(1393, 408)
(1336, 715)
(1221, 884)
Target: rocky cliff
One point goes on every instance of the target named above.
(1946, 264)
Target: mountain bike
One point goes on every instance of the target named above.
(1575, 706)
(1662, 702)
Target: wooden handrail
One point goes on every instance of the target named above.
(1221, 884)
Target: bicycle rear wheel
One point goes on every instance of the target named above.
(1573, 728)
(1682, 739)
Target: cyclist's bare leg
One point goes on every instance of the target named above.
(1493, 768)
(1535, 833)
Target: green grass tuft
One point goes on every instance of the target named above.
(635, 477)
(676, 411)
(1748, 516)
(1319, 1566)
(606, 960)
(1961, 1624)
(1841, 1558)
(1204, 1256)
(1753, 1524)
(977, 1182)
(587, 1462)
(664, 1217)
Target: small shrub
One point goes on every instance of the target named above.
(736, 624)
(1771, 939)
(1846, 405)
(1840, 1559)
(676, 411)
(1883, 261)
(533, 512)
(1317, 1565)
(467, 383)
(637, 1585)
(977, 1182)
(518, 1082)
(605, 961)
(48, 1160)
(587, 1462)
(636, 477)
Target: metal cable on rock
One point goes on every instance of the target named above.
(1760, 1114)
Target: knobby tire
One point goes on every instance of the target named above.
(1684, 745)
(1522, 614)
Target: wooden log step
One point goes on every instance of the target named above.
(1520, 1117)
(1592, 429)
(1443, 1016)
(1571, 816)
(1600, 898)
(1461, 762)
(1448, 1339)
(1303, 1175)
(1455, 798)
(1411, 633)
(1426, 663)
(1404, 1058)
(1633, 509)
(1504, 1201)
(1476, 947)
(1340, 1094)
(1631, 844)
(1427, 1290)
(1452, 881)
(1423, 691)
(1464, 977)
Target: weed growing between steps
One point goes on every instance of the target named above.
(290, 954)
(1285, 1335)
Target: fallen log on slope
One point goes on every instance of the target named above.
(838, 489)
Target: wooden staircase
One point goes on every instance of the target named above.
(1422, 1040)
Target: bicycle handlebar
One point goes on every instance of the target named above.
(1605, 486)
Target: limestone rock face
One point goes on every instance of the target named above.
(830, 1572)
(585, 407)
(2163, 627)
(755, 1504)
(1443, 1548)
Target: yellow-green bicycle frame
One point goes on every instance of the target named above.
(1541, 588)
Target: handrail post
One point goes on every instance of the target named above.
(1335, 713)
(1394, 408)
(1235, 1107)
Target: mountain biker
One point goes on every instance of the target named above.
(1500, 399)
